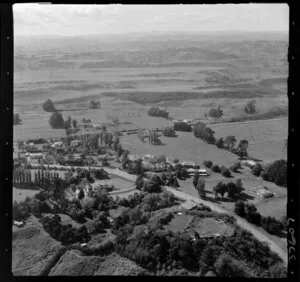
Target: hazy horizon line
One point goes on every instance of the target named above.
(161, 32)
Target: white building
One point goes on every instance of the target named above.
(203, 172)
(264, 193)
(57, 144)
(249, 163)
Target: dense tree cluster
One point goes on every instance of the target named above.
(74, 123)
(182, 126)
(152, 185)
(82, 174)
(215, 168)
(205, 133)
(200, 187)
(163, 251)
(208, 164)
(241, 149)
(66, 234)
(250, 107)
(37, 141)
(22, 210)
(169, 132)
(135, 167)
(229, 144)
(56, 120)
(235, 167)
(100, 174)
(233, 189)
(48, 106)
(94, 105)
(249, 212)
(139, 182)
(180, 172)
(276, 172)
(220, 143)
(67, 123)
(157, 112)
(216, 113)
(257, 170)
(169, 179)
(225, 171)
(17, 119)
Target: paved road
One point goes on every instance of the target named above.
(240, 221)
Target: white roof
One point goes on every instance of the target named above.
(264, 191)
(250, 162)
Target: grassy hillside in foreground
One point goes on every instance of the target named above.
(34, 252)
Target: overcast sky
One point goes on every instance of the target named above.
(70, 20)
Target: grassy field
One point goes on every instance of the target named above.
(20, 195)
(119, 183)
(33, 250)
(209, 226)
(266, 138)
(203, 226)
(184, 147)
(179, 223)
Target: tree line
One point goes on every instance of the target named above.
(250, 213)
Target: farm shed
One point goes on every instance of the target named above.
(249, 163)
(264, 193)
(203, 171)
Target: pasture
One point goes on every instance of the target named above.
(275, 206)
(266, 138)
(207, 226)
(184, 147)
(117, 182)
(19, 195)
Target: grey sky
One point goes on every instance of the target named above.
(70, 20)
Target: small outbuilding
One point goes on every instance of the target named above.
(264, 193)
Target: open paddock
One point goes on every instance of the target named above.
(118, 182)
(210, 226)
(205, 227)
(266, 138)
(19, 195)
(275, 206)
(179, 223)
(184, 147)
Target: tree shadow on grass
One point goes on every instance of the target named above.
(158, 144)
(244, 197)
(220, 200)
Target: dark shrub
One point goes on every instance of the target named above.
(257, 170)
(157, 112)
(48, 106)
(276, 172)
(225, 172)
(208, 164)
(216, 168)
(182, 126)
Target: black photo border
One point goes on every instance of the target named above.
(6, 137)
